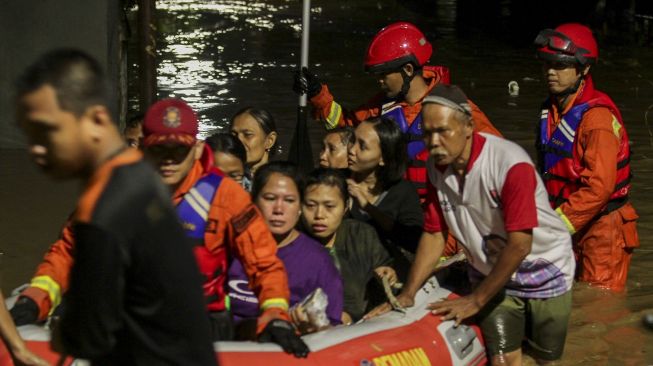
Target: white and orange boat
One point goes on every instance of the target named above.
(410, 338)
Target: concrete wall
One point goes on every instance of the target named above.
(30, 27)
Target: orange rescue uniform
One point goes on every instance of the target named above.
(603, 243)
(235, 224)
(329, 111)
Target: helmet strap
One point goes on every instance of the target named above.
(571, 90)
(406, 84)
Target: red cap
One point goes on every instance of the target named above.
(170, 121)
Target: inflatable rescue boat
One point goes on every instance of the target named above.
(413, 337)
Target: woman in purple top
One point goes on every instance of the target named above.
(277, 193)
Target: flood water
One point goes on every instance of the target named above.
(223, 55)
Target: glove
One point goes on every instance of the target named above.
(25, 311)
(306, 83)
(283, 333)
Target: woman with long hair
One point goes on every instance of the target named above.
(377, 161)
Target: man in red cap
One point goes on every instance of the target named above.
(220, 220)
(584, 158)
(134, 296)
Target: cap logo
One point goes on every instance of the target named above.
(422, 41)
(172, 117)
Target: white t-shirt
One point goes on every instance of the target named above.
(502, 193)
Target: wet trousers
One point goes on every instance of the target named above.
(604, 248)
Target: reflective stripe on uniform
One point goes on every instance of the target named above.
(565, 219)
(198, 203)
(616, 127)
(275, 302)
(333, 118)
(567, 131)
(47, 284)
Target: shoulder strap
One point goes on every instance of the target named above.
(193, 210)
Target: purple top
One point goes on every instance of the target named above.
(308, 265)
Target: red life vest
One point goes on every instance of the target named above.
(193, 212)
(559, 164)
(417, 153)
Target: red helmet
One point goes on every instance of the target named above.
(569, 43)
(395, 46)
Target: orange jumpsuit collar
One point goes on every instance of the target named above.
(200, 167)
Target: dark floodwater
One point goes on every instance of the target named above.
(223, 55)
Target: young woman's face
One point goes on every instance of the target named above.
(365, 152)
(323, 210)
(279, 204)
(256, 141)
(334, 152)
(230, 165)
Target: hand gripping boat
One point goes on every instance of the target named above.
(413, 338)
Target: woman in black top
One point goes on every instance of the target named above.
(377, 160)
(354, 245)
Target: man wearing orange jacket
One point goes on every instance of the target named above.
(219, 220)
(584, 158)
(397, 57)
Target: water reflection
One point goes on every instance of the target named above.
(207, 47)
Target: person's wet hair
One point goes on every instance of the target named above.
(76, 77)
(346, 134)
(135, 119)
(228, 144)
(264, 119)
(329, 177)
(393, 150)
(284, 168)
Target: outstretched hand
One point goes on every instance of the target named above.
(457, 309)
(403, 300)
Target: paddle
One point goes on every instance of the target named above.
(300, 152)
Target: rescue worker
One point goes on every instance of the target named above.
(584, 158)
(221, 220)
(485, 190)
(397, 57)
(135, 296)
(218, 217)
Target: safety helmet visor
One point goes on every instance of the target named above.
(561, 44)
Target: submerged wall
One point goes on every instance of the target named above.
(30, 27)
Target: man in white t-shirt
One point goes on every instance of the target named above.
(484, 190)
